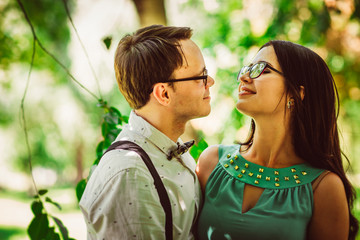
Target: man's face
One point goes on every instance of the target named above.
(191, 99)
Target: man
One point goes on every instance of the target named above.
(162, 74)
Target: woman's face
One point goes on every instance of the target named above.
(264, 95)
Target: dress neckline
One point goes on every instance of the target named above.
(265, 177)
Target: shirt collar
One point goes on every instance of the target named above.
(159, 139)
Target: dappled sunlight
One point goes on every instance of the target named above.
(64, 123)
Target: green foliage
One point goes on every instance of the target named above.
(40, 228)
(198, 148)
(107, 41)
(110, 128)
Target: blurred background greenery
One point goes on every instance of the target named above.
(63, 120)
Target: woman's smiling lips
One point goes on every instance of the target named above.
(245, 91)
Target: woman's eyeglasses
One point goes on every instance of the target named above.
(255, 70)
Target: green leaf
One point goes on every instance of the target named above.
(107, 41)
(100, 149)
(47, 199)
(42, 191)
(38, 227)
(80, 188)
(202, 144)
(63, 230)
(197, 149)
(104, 127)
(101, 103)
(37, 207)
(111, 118)
(52, 235)
(125, 119)
(115, 111)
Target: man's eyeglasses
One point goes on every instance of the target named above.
(255, 70)
(203, 77)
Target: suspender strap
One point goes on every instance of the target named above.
(164, 198)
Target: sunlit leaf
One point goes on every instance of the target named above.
(107, 41)
(42, 192)
(47, 199)
(80, 188)
(37, 208)
(52, 235)
(38, 227)
(197, 149)
(100, 149)
(63, 230)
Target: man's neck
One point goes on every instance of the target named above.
(163, 121)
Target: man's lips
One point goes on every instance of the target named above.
(208, 97)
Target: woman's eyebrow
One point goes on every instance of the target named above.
(260, 62)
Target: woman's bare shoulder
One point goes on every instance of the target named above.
(330, 218)
(206, 164)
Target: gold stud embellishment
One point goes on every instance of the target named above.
(296, 176)
(246, 165)
(256, 182)
(277, 185)
(251, 174)
(236, 167)
(286, 178)
(236, 157)
(231, 161)
(267, 178)
(243, 171)
(258, 176)
(303, 173)
(297, 181)
(240, 176)
(261, 170)
(277, 179)
(226, 165)
(276, 172)
(228, 156)
(293, 170)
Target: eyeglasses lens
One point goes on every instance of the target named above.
(257, 69)
(205, 79)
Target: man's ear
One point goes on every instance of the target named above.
(302, 92)
(161, 94)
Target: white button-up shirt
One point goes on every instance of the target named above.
(120, 200)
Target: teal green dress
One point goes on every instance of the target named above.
(283, 211)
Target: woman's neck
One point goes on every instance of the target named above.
(272, 145)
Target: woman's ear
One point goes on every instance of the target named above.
(161, 94)
(302, 92)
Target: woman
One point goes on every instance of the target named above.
(286, 181)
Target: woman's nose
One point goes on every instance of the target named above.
(245, 78)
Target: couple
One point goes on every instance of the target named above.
(286, 181)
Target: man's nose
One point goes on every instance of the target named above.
(210, 82)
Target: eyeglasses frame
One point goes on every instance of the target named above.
(267, 65)
(204, 78)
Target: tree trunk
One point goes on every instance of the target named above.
(151, 12)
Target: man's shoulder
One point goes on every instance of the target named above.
(116, 167)
(119, 160)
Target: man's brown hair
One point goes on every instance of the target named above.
(147, 57)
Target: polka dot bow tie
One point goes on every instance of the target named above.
(181, 149)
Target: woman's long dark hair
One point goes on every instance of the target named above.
(314, 119)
